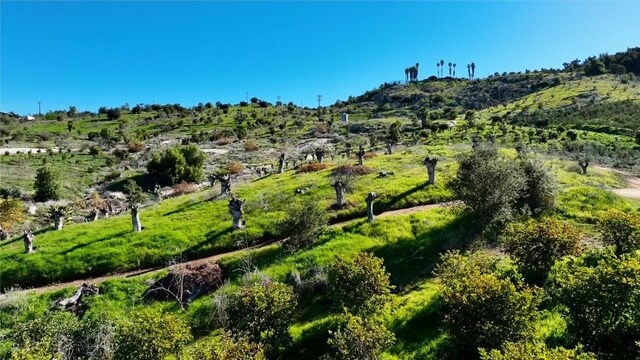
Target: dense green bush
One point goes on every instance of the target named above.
(534, 351)
(46, 185)
(601, 293)
(536, 245)
(540, 186)
(620, 229)
(177, 164)
(226, 348)
(359, 339)
(490, 185)
(483, 304)
(150, 335)
(302, 225)
(359, 284)
(262, 312)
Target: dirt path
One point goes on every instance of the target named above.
(134, 273)
(633, 183)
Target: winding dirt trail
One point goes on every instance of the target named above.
(135, 273)
(633, 183)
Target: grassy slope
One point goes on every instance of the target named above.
(410, 246)
(191, 226)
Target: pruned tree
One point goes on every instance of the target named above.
(430, 164)
(438, 69)
(441, 68)
(281, 162)
(343, 180)
(473, 70)
(74, 302)
(225, 183)
(469, 70)
(319, 152)
(393, 136)
(134, 201)
(369, 200)
(28, 238)
(450, 64)
(360, 154)
(584, 164)
(58, 214)
(236, 211)
(454, 70)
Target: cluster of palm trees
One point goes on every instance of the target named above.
(471, 69)
(440, 66)
(411, 73)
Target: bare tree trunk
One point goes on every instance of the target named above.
(423, 121)
(28, 242)
(431, 163)
(319, 155)
(370, 198)
(339, 195)
(58, 222)
(225, 185)
(135, 219)
(389, 148)
(4, 235)
(281, 163)
(360, 155)
(94, 215)
(235, 208)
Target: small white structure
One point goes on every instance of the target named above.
(30, 118)
(344, 117)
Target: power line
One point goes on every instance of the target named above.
(319, 100)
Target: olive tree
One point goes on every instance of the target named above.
(359, 339)
(620, 229)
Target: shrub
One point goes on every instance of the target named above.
(177, 164)
(95, 150)
(150, 335)
(601, 293)
(302, 225)
(135, 146)
(46, 185)
(307, 168)
(489, 184)
(11, 212)
(621, 230)
(537, 245)
(183, 188)
(540, 189)
(263, 312)
(223, 141)
(250, 145)
(534, 351)
(227, 348)
(234, 168)
(352, 170)
(359, 339)
(483, 305)
(359, 284)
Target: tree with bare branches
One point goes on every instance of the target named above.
(236, 211)
(369, 200)
(431, 163)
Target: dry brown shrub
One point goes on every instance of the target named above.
(250, 145)
(223, 141)
(183, 188)
(307, 168)
(135, 147)
(370, 155)
(234, 168)
(352, 170)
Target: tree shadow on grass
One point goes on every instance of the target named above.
(423, 327)
(89, 243)
(386, 204)
(412, 260)
(205, 247)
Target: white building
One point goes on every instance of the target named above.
(344, 117)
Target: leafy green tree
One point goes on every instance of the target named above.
(621, 230)
(263, 312)
(177, 164)
(540, 186)
(359, 339)
(535, 351)
(227, 348)
(536, 245)
(490, 185)
(601, 293)
(594, 67)
(46, 185)
(150, 335)
(483, 304)
(359, 284)
(303, 225)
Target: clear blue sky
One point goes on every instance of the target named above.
(91, 54)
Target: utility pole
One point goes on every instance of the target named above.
(39, 108)
(247, 96)
(278, 97)
(319, 100)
